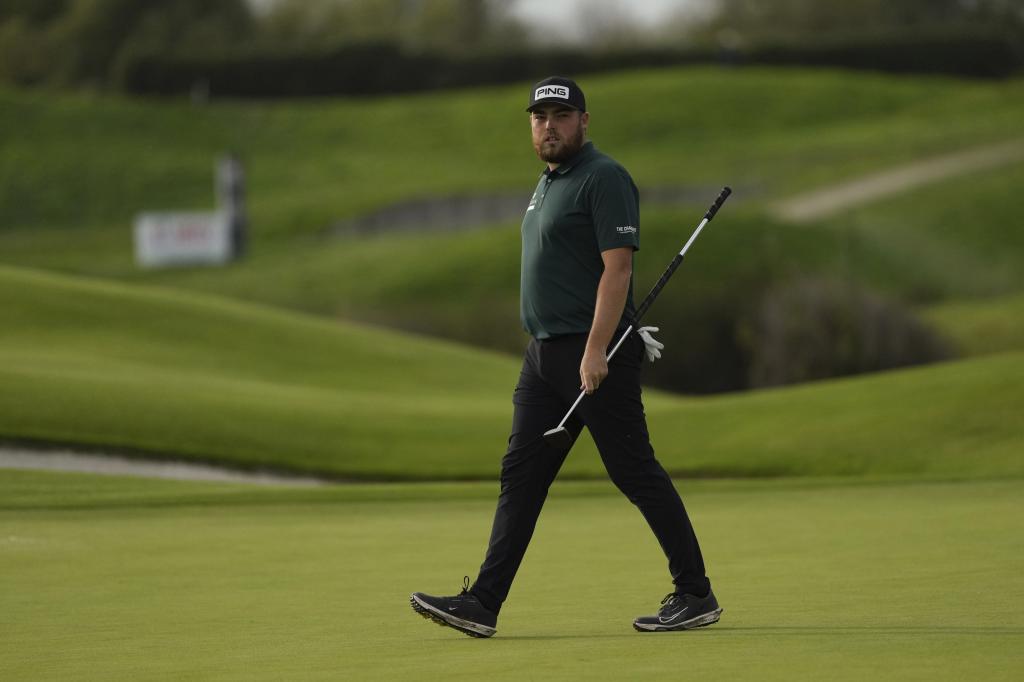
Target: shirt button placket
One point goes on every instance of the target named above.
(544, 191)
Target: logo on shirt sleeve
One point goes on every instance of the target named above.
(625, 229)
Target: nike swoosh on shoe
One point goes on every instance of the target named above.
(671, 618)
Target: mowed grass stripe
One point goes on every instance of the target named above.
(817, 581)
(142, 369)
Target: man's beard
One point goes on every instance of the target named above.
(562, 150)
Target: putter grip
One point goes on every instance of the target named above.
(726, 191)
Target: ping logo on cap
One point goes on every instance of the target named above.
(551, 91)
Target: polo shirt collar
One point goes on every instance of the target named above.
(586, 150)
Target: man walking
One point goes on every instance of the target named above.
(579, 234)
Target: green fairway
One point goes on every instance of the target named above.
(108, 578)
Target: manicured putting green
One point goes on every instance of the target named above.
(109, 578)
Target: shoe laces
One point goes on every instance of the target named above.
(669, 601)
(465, 594)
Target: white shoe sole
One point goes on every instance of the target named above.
(698, 622)
(442, 618)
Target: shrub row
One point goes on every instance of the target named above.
(971, 53)
(381, 68)
(797, 330)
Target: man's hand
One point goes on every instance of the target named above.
(593, 370)
(612, 292)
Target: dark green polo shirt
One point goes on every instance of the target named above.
(587, 205)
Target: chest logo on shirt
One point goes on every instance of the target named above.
(625, 229)
(533, 202)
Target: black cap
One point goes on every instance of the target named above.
(557, 90)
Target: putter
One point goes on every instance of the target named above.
(559, 437)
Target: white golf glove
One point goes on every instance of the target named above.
(651, 344)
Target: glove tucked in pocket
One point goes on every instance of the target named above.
(651, 345)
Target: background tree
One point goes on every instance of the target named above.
(452, 26)
(809, 20)
(83, 41)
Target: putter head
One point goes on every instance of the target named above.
(559, 438)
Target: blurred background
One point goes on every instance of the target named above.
(374, 161)
(283, 236)
(170, 45)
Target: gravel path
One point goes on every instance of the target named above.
(828, 201)
(12, 457)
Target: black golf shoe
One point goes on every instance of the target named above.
(464, 612)
(681, 612)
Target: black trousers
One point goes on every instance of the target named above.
(614, 415)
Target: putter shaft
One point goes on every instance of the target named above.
(558, 435)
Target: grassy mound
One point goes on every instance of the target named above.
(110, 364)
(158, 371)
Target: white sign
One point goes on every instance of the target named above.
(168, 239)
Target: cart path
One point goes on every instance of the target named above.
(19, 457)
(828, 201)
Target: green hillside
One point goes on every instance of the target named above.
(162, 370)
(157, 371)
(959, 237)
(75, 168)
(108, 364)
(80, 160)
(956, 239)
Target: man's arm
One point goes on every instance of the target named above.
(611, 300)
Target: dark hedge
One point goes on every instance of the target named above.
(381, 68)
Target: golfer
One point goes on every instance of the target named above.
(579, 234)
